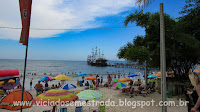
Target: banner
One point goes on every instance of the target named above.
(25, 10)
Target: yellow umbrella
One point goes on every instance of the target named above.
(124, 80)
(11, 81)
(62, 77)
(2, 82)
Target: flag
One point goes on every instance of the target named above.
(25, 10)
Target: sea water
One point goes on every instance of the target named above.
(54, 67)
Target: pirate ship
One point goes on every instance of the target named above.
(96, 58)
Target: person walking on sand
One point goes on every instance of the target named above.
(39, 88)
(118, 75)
(101, 79)
(31, 82)
(109, 81)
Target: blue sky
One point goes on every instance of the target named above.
(74, 45)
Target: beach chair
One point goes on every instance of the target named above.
(63, 110)
(47, 111)
(78, 109)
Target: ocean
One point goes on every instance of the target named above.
(60, 67)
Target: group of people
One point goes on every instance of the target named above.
(40, 88)
(138, 89)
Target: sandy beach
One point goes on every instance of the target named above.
(116, 96)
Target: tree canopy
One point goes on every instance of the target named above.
(181, 47)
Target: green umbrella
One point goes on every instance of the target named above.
(89, 95)
(116, 80)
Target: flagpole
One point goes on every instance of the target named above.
(24, 76)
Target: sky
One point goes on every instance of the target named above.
(86, 15)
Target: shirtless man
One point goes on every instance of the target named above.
(39, 88)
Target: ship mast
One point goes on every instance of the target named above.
(96, 56)
(99, 53)
(92, 55)
(102, 55)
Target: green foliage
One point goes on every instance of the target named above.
(189, 22)
(182, 49)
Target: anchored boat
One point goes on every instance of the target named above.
(96, 58)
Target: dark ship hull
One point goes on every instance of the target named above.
(98, 63)
(101, 62)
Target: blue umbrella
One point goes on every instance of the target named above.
(133, 75)
(68, 86)
(152, 76)
(81, 74)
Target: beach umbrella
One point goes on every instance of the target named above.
(152, 76)
(197, 70)
(116, 80)
(46, 78)
(90, 78)
(68, 86)
(119, 84)
(124, 80)
(11, 81)
(89, 95)
(54, 95)
(81, 74)
(157, 74)
(15, 96)
(2, 82)
(62, 77)
(133, 75)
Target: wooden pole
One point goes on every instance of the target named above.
(24, 76)
(162, 58)
(145, 75)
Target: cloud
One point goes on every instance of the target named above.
(59, 14)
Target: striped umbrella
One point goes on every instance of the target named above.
(68, 86)
(54, 95)
(116, 80)
(119, 84)
(89, 95)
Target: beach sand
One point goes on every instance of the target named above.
(113, 95)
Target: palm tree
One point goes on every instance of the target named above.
(143, 2)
